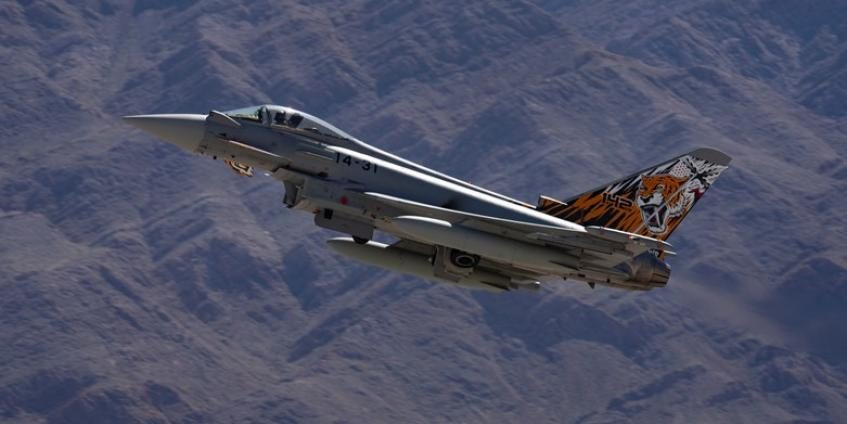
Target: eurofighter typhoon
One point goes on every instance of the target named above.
(448, 230)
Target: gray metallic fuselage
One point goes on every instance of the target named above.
(357, 166)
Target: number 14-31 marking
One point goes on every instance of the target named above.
(350, 161)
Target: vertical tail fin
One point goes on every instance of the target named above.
(651, 202)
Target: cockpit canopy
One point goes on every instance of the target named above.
(272, 115)
(250, 112)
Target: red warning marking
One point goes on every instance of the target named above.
(344, 200)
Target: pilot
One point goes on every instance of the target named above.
(279, 119)
(295, 120)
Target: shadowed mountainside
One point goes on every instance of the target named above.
(141, 284)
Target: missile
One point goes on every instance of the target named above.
(406, 262)
(492, 246)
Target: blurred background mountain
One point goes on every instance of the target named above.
(140, 284)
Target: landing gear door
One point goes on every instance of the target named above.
(292, 194)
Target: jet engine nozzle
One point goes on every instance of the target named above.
(183, 130)
(647, 269)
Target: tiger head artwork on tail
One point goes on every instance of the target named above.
(651, 202)
(656, 191)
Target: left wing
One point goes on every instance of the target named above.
(595, 239)
(526, 250)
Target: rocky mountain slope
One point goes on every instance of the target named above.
(141, 284)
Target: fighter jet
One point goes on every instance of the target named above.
(445, 229)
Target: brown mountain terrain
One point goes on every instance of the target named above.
(140, 284)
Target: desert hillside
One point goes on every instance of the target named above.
(141, 284)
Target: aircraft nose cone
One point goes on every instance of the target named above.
(184, 130)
